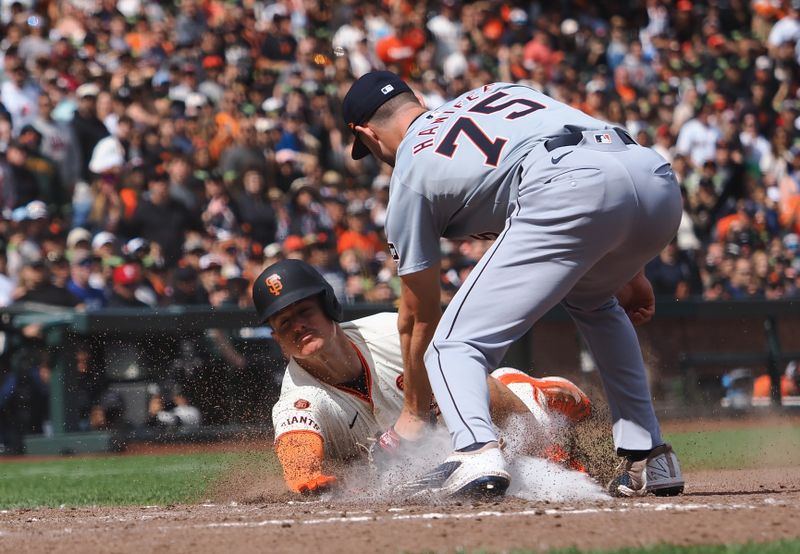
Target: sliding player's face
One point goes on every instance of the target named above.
(302, 329)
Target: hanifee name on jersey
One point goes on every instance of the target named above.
(440, 118)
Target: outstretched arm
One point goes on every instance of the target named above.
(419, 314)
(301, 454)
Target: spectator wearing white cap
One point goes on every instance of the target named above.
(86, 126)
(79, 239)
(106, 163)
(210, 272)
(25, 245)
(104, 245)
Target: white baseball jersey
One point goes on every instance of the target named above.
(345, 418)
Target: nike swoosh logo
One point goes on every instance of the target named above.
(355, 417)
(555, 160)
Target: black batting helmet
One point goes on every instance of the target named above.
(289, 281)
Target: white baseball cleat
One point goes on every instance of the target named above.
(480, 474)
(659, 473)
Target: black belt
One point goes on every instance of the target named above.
(571, 139)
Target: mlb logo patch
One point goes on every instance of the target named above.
(387, 89)
(603, 138)
(393, 252)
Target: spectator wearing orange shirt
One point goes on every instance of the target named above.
(734, 223)
(790, 214)
(358, 235)
(790, 383)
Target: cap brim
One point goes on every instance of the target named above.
(360, 150)
(287, 300)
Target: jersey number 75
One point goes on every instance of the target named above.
(491, 149)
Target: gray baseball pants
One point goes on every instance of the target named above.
(581, 227)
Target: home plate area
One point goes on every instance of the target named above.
(733, 506)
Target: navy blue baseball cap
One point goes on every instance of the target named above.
(370, 92)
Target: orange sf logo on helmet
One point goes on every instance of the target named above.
(274, 284)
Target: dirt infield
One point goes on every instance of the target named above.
(720, 506)
(250, 511)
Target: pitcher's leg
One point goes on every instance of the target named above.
(498, 305)
(548, 244)
(615, 348)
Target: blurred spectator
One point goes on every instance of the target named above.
(244, 153)
(160, 218)
(59, 144)
(80, 272)
(219, 214)
(698, 137)
(23, 187)
(183, 186)
(6, 284)
(306, 215)
(255, 209)
(170, 408)
(358, 236)
(109, 413)
(673, 274)
(322, 254)
(18, 93)
(125, 279)
(49, 186)
(186, 288)
(86, 126)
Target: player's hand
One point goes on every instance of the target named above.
(637, 299)
(389, 449)
(317, 485)
(384, 449)
(410, 426)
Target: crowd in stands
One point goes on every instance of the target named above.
(156, 153)
(164, 152)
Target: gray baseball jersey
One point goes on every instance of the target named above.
(458, 167)
(575, 219)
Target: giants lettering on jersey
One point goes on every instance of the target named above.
(437, 119)
(296, 421)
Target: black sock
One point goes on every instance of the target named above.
(633, 455)
(473, 447)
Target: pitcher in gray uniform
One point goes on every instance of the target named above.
(576, 207)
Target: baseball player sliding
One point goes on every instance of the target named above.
(577, 209)
(344, 381)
